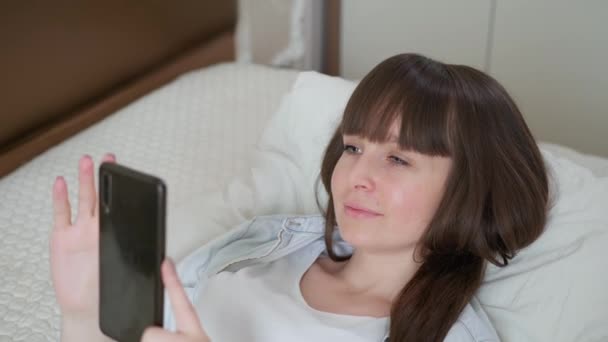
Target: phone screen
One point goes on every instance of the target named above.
(132, 247)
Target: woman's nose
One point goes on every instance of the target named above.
(363, 174)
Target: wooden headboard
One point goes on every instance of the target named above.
(67, 65)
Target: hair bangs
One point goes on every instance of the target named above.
(420, 106)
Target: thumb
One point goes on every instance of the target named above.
(186, 318)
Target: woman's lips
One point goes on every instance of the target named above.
(359, 212)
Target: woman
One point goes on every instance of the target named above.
(431, 173)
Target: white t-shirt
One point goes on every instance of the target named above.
(264, 302)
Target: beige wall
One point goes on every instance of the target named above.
(549, 54)
(452, 31)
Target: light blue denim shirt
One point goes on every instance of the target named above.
(267, 238)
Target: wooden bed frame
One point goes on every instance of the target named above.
(75, 64)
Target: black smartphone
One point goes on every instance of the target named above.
(131, 249)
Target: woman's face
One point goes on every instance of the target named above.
(385, 197)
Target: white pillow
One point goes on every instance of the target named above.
(285, 164)
(555, 290)
(288, 156)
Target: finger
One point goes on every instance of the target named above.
(186, 318)
(86, 188)
(61, 204)
(157, 334)
(110, 158)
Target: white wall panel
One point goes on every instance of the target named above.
(551, 55)
(451, 31)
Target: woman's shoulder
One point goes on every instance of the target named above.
(473, 324)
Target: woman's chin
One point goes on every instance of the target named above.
(358, 235)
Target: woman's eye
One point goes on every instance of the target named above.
(398, 160)
(351, 149)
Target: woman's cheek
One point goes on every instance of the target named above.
(338, 177)
(411, 204)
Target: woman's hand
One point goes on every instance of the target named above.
(74, 245)
(189, 327)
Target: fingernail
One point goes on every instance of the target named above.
(86, 161)
(57, 187)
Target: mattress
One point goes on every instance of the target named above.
(196, 133)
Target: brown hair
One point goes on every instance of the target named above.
(496, 195)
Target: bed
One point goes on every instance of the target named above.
(181, 135)
(224, 137)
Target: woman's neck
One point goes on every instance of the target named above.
(378, 275)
